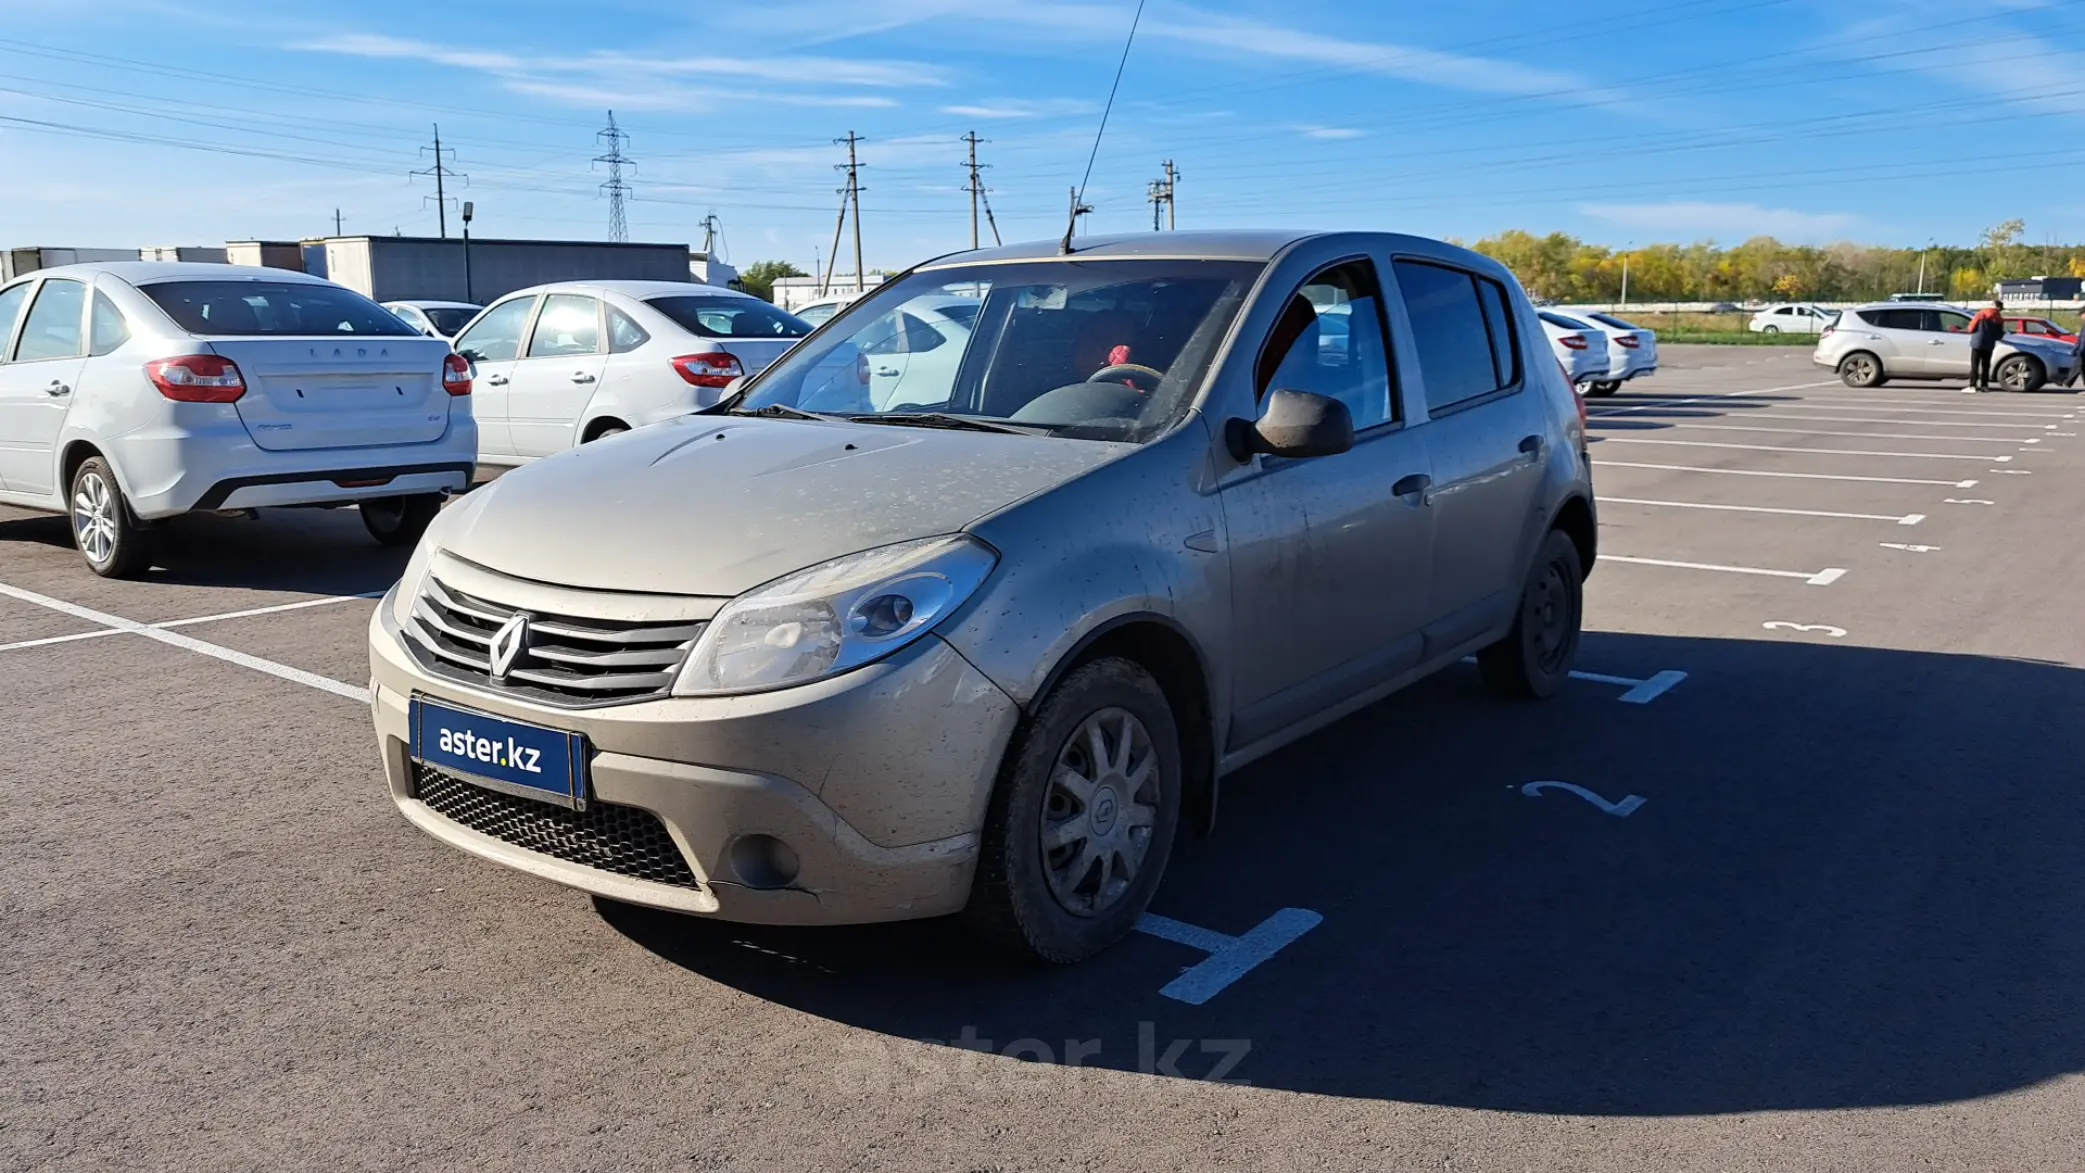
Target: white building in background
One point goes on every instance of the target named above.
(795, 292)
(711, 271)
(193, 255)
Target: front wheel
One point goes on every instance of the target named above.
(109, 536)
(1603, 389)
(2021, 373)
(399, 521)
(1534, 659)
(1081, 823)
(1861, 369)
(1770, 329)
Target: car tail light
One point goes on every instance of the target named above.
(1627, 341)
(715, 369)
(197, 378)
(456, 375)
(1573, 341)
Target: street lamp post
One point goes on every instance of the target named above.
(1625, 274)
(467, 291)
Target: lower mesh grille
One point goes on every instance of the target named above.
(620, 839)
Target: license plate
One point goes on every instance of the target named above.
(508, 756)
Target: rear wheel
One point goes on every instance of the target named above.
(2021, 373)
(1534, 659)
(602, 431)
(109, 536)
(1861, 369)
(399, 521)
(1081, 824)
(1770, 329)
(1603, 389)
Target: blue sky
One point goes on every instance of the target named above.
(151, 122)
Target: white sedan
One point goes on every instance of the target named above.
(136, 391)
(436, 319)
(1632, 350)
(1579, 346)
(560, 365)
(1792, 319)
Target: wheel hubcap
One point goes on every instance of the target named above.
(1098, 812)
(1548, 617)
(94, 518)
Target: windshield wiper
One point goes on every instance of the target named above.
(781, 411)
(942, 419)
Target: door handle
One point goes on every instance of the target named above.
(887, 372)
(1531, 445)
(1417, 484)
(497, 380)
(57, 389)
(1937, 342)
(581, 377)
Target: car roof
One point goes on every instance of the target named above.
(1224, 244)
(1911, 305)
(150, 272)
(633, 288)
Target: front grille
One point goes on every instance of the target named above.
(565, 660)
(612, 838)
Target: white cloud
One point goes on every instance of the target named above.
(1330, 133)
(2011, 65)
(1696, 219)
(1024, 108)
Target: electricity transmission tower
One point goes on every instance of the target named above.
(618, 191)
(442, 172)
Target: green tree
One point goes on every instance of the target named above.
(759, 277)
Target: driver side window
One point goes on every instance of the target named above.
(1329, 340)
(497, 336)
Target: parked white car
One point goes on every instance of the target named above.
(560, 365)
(1632, 351)
(1872, 344)
(1792, 319)
(436, 319)
(1580, 346)
(131, 392)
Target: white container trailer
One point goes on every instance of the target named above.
(415, 268)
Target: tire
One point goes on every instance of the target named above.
(1861, 369)
(107, 534)
(1061, 903)
(2020, 373)
(399, 521)
(1770, 329)
(605, 431)
(1534, 659)
(1603, 389)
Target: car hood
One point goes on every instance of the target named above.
(709, 505)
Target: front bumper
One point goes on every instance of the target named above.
(876, 780)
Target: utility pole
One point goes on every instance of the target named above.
(467, 290)
(336, 221)
(1172, 187)
(441, 172)
(709, 233)
(853, 193)
(1077, 210)
(1157, 197)
(976, 189)
(1625, 274)
(613, 136)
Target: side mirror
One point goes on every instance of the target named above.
(471, 353)
(1296, 424)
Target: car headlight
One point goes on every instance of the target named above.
(835, 616)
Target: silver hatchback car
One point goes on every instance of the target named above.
(810, 658)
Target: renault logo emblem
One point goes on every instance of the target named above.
(508, 644)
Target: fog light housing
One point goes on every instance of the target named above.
(762, 861)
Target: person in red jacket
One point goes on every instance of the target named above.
(1985, 329)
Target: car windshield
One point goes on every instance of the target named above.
(730, 317)
(227, 308)
(449, 320)
(1103, 349)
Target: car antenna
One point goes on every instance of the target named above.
(1078, 199)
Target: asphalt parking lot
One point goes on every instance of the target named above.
(1805, 892)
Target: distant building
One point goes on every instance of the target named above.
(194, 255)
(271, 254)
(794, 292)
(711, 271)
(16, 261)
(398, 268)
(2041, 289)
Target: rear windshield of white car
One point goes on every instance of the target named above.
(449, 321)
(730, 317)
(1563, 322)
(1611, 320)
(232, 308)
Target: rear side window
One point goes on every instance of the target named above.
(1505, 341)
(215, 309)
(624, 335)
(108, 329)
(569, 324)
(1891, 319)
(53, 328)
(1945, 320)
(1449, 333)
(730, 317)
(497, 336)
(11, 301)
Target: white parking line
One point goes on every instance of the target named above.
(109, 631)
(1812, 403)
(1903, 519)
(1856, 435)
(1825, 577)
(189, 643)
(1230, 958)
(1802, 476)
(1797, 451)
(1855, 419)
